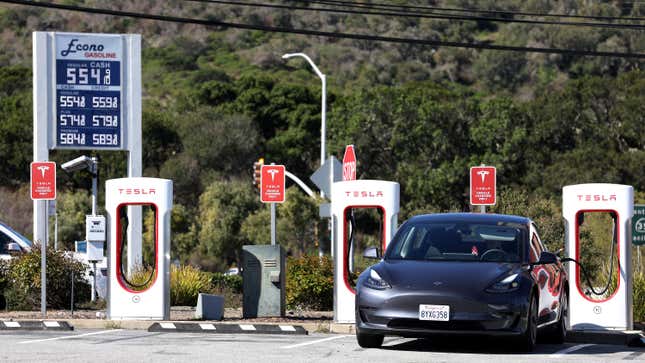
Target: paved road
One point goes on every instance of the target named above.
(142, 346)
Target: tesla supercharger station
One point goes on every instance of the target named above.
(124, 300)
(357, 194)
(605, 312)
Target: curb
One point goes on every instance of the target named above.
(227, 328)
(319, 327)
(35, 325)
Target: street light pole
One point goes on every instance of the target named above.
(323, 128)
(323, 118)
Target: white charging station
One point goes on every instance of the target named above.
(612, 312)
(357, 194)
(126, 301)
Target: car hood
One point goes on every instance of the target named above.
(428, 275)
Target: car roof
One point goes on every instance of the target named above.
(470, 217)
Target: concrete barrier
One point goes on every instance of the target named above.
(209, 307)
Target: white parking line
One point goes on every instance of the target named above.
(315, 341)
(563, 352)
(70, 336)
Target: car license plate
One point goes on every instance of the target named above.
(434, 312)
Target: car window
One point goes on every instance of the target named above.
(458, 241)
(4, 241)
(536, 248)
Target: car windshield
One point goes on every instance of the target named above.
(459, 241)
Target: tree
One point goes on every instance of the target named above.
(15, 125)
(544, 211)
(160, 139)
(296, 223)
(222, 208)
(219, 142)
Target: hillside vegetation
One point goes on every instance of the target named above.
(216, 100)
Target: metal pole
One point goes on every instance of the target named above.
(95, 185)
(56, 231)
(323, 127)
(72, 307)
(134, 141)
(273, 224)
(43, 278)
(93, 280)
(42, 66)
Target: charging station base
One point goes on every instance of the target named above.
(632, 338)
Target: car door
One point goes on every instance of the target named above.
(549, 279)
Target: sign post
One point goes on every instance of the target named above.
(272, 190)
(349, 163)
(483, 185)
(43, 188)
(87, 95)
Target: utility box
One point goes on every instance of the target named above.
(263, 276)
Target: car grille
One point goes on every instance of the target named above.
(434, 325)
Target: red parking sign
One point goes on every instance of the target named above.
(483, 183)
(272, 183)
(43, 180)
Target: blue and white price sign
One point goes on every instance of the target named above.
(88, 91)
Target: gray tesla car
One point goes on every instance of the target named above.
(463, 273)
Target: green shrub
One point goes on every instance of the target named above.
(310, 283)
(639, 297)
(4, 272)
(186, 282)
(23, 282)
(228, 286)
(231, 282)
(140, 279)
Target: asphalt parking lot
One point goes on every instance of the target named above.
(117, 345)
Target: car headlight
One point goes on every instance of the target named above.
(507, 284)
(375, 281)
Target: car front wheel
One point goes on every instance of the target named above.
(559, 332)
(529, 338)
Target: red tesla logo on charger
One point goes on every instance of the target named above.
(43, 180)
(483, 183)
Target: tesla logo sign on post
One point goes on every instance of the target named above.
(349, 163)
(483, 182)
(272, 182)
(43, 180)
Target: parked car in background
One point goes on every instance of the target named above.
(463, 273)
(232, 271)
(12, 243)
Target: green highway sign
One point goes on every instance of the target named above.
(638, 224)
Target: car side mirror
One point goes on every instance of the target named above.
(546, 258)
(14, 249)
(372, 252)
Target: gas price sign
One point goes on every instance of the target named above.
(88, 91)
